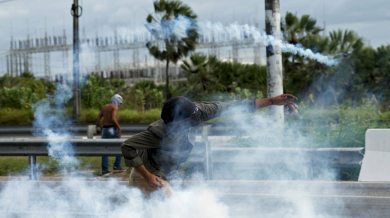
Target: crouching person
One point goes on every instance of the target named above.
(157, 152)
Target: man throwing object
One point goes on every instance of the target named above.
(157, 152)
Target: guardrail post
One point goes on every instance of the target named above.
(32, 163)
(208, 156)
(308, 172)
(91, 131)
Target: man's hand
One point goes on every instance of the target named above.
(119, 133)
(284, 99)
(292, 108)
(154, 181)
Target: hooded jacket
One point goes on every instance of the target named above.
(162, 152)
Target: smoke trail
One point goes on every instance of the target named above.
(216, 32)
(177, 28)
(51, 118)
(246, 32)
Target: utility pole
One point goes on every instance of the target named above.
(46, 56)
(76, 13)
(274, 59)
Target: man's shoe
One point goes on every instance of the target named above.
(119, 169)
(106, 173)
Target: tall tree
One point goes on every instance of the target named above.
(200, 73)
(166, 16)
(297, 30)
(344, 42)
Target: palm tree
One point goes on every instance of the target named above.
(344, 42)
(165, 11)
(200, 71)
(349, 80)
(382, 70)
(295, 29)
(298, 31)
(373, 69)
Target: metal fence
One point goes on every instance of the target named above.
(77, 130)
(203, 154)
(85, 130)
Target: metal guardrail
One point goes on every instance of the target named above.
(202, 153)
(81, 147)
(84, 130)
(330, 157)
(78, 130)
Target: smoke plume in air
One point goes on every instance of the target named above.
(216, 32)
(50, 122)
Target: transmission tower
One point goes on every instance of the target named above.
(64, 53)
(97, 56)
(257, 57)
(235, 51)
(46, 59)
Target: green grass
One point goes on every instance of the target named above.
(324, 115)
(16, 116)
(123, 116)
(12, 166)
(88, 115)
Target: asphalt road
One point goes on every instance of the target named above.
(269, 199)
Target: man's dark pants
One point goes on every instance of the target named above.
(110, 133)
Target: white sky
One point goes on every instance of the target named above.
(370, 19)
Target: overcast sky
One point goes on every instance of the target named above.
(370, 19)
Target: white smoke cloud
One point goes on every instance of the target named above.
(216, 32)
(167, 29)
(244, 32)
(50, 114)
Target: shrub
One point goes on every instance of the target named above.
(14, 116)
(132, 116)
(88, 115)
(123, 116)
(17, 98)
(129, 116)
(152, 115)
(93, 95)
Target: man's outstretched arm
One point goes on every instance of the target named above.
(211, 110)
(284, 99)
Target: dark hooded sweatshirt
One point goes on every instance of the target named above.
(161, 152)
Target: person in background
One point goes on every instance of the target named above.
(110, 129)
